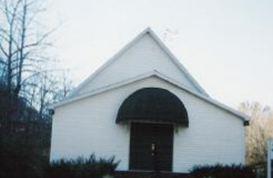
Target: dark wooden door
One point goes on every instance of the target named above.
(151, 147)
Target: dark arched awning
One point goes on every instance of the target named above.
(153, 105)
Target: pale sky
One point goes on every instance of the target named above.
(227, 45)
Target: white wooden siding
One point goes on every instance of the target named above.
(88, 126)
(144, 56)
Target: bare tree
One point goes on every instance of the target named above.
(65, 86)
(51, 88)
(258, 132)
(22, 47)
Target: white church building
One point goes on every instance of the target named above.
(143, 107)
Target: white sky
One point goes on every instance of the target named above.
(226, 45)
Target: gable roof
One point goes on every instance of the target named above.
(125, 48)
(160, 76)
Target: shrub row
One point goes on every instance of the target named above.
(21, 160)
(97, 168)
(82, 168)
(222, 171)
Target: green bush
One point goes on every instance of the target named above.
(222, 171)
(82, 168)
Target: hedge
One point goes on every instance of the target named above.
(222, 171)
(82, 168)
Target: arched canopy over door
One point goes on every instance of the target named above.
(154, 105)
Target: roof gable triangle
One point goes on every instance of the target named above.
(146, 52)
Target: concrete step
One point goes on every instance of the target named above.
(148, 174)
